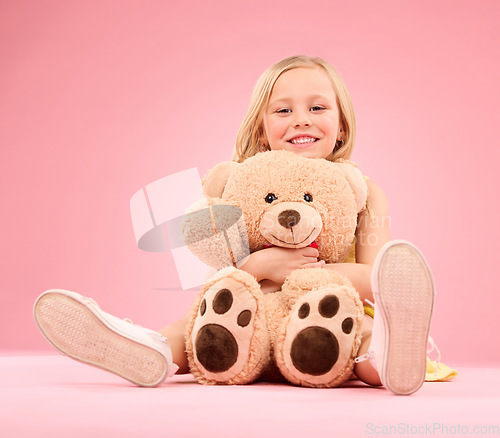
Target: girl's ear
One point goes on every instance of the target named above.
(216, 178)
(357, 182)
(263, 142)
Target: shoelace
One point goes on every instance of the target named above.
(368, 354)
(438, 353)
(172, 367)
(88, 300)
(363, 357)
(433, 346)
(163, 338)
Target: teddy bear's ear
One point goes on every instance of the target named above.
(216, 178)
(357, 182)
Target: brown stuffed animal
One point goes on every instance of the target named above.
(310, 330)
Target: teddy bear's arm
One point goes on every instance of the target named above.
(213, 229)
(215, 232)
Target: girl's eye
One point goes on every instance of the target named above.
(308, 197)
(283, 111)
(270, 198)
(317, 108)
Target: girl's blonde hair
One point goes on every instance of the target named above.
(252, 127)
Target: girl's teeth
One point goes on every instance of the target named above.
(303, 140)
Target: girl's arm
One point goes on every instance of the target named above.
(276, 263)
(372, 233)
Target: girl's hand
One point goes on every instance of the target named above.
(277, 263)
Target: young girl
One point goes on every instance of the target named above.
(302, 105)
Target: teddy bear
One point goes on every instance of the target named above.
(308, 332)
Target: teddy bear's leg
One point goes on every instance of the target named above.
(227, 340)
(317, 342)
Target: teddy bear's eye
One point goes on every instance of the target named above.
(308, 197)
(270, 198)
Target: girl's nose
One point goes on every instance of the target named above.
(301, 120)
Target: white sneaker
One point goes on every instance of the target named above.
(403, 289)
(78, 328)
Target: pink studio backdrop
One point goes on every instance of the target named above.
(99, 99)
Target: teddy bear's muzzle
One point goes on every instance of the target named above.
(291, 225)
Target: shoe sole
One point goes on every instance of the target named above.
(404, 293)
(76, 331)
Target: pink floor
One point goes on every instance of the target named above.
(53, 396)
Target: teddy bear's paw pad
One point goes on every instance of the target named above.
(319, 336)
(223, 330)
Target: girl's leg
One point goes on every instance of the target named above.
(364, 370)
(175, 334)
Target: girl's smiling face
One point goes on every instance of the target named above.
(302, 114)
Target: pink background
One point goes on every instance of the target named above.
(98, 99)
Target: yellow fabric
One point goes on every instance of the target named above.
(369, 311)
(351, 255)
(444, 373)
(367, 205)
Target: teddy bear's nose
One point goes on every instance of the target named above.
(289, 218)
